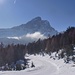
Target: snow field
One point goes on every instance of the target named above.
(44, 65)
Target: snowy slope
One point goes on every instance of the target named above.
(44, 66)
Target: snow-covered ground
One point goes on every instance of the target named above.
(44, 65)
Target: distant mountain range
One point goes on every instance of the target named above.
(16, 33)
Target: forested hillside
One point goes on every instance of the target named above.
(63, 41)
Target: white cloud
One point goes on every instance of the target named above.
(17, 38)
(29, 37)
(35, 35)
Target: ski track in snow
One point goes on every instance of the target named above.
(42, 67)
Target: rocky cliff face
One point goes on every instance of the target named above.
(35, 25)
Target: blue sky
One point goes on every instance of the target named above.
(60, 13)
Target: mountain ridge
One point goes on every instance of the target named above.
(35, 25)
(32, 26)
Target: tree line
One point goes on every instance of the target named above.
(12, 53)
